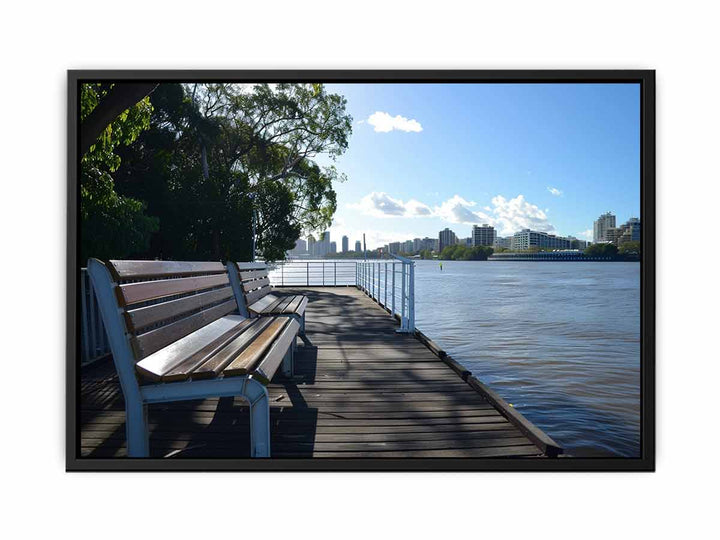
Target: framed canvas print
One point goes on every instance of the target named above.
(361, 270)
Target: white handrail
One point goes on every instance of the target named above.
(376, 278)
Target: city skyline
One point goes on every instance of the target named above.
(591, 238)
(546, 157)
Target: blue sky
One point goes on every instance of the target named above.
(424, 157)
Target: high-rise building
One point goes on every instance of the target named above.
(299, 249)
(345, 242)
(333, 247)
(407, 247)
(311, 246)
(358, 246)
(322, 246)
(417, 244)
(446, 238)
(601, 226)
(631, 231)
(527, 239)
(394, 247)
(483, 235)
(503, 242)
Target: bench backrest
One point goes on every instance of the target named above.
(253, 281)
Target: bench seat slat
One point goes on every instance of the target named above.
(148, 269)
(246, 360)
(132, 293)
(280, 307)
(155, 340)
(263, 303)
(155, 365)
(268, 366)
(297, 306)
(215, 365)
(183, 370)
(145, 316)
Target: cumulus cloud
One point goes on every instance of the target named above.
(587, 234)
(380, 204)
(555, 191)
(507, 215)
(458, 210)
(384, 123)
(512, 215)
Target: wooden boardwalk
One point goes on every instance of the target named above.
(361, 390)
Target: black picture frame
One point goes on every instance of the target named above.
(646, 461)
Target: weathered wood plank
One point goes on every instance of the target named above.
(153, 341)
(133, 293)
(255, 284)
(245, 361)
(155, 365)
(247, 275)
(149, 269)
(146, 316)
(217, 363)
(199, 365)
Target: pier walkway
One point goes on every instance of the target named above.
(361, 390)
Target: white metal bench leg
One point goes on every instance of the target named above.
(259, 419)
(136, 429)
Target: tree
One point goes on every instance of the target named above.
(117, 98)
(111, 225)
(630, 249)
(601, 250)
(216, 156)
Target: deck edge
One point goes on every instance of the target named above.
(541, 439)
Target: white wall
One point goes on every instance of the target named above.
(40, 42)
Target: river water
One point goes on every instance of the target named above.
(558, 340)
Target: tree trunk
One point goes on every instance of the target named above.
(121, 97)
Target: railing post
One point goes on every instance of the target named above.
(282, 274)
(393, 289)
(386, 265)
(403, 323)
(411, 299)
(335, 273)
(323, 267)
(307, 274)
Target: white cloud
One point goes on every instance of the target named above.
(555, 191)
(587, 234)
(380, 204)
(458, 210)
(512, 215)
(384, 123)
(507, 215)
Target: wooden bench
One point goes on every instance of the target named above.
(176, 334)
(254, 294)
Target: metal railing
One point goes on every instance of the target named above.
(93, 341)
(294, 273)
(391, 283)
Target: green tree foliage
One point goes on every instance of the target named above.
(111, 225)
(630, 249)
(215, 155)
(601, 250)
(466, 253)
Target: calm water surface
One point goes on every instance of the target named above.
(560, 341)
